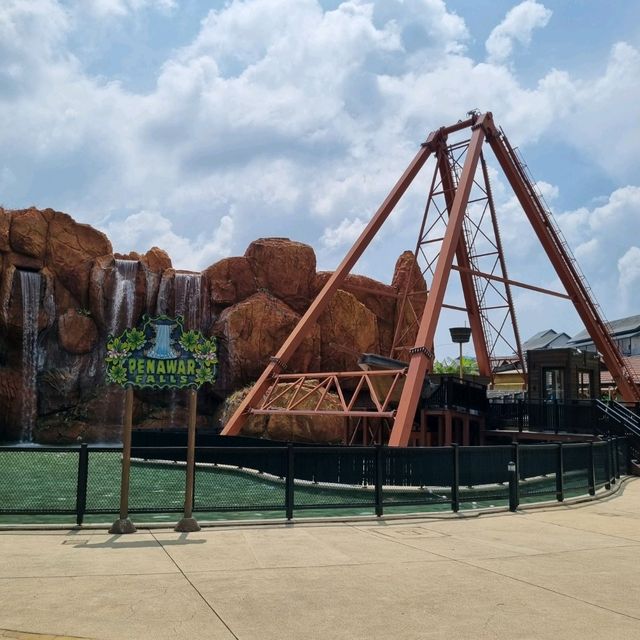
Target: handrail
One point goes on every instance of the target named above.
(619, 414)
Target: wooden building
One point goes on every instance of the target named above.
(563, 375)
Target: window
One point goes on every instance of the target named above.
(553, 386)
(585, 384)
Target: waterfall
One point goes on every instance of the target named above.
(124, 296)
(30, 285)
(188, 288)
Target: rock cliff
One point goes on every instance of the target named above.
(63, 291)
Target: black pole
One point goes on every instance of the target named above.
(513, 486)
(379, 478)
(612, 461)
(616, 457)
(455, 480)
(560, 474)
(83, 473)
(592, 471)
(288, 497)
(607, 462)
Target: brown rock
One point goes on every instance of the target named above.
(77, 333)
(63, 299)
(347, 330)
(284, 268)
(132, 255)
(318, 429)
(408, 278)
(6, 288)
(5, 226)
(156, 259)
(28, 233)
(71, 250)
(229, 281)
(10, 404)
(379, 298)
(11, 300)
(252, 331)
(20, 261)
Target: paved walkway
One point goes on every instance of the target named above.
(565, 572)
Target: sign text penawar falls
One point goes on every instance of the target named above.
(159, 354)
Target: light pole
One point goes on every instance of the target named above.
(460, 335)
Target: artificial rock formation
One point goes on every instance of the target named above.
(251, 303)
(307, 429)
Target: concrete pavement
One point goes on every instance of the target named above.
(564, 572)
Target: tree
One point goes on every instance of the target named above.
(452, 366)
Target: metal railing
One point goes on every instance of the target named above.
(295, 480)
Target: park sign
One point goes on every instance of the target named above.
(160, 354)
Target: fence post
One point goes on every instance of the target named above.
(516, 459)
(379, 478)
(520, 420)
(607, 461)
(455, 480)
(288, 496)
(560, 474)
(592, 471)
(81, 492)
(612, 461)
(616, 454)
(513, 486)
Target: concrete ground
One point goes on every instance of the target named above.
(564, 572)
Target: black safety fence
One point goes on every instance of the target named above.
(286, 480)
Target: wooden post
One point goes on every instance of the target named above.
(188, 522)
(124, 524)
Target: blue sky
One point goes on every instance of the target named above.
(199, 126)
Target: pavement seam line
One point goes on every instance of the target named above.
(530, 584)
(193, 586)
(607, 535)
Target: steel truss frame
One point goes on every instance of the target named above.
(457, 167)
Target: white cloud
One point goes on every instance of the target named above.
(629, 276)
(282, 118)
(141, 231)
(120, 8)
(517, 26)
(344, 234)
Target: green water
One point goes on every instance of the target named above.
(47, 482)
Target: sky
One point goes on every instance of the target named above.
(199, 126)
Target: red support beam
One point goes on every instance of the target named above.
(305, 324)
(562, 263)
(513, 283)
(421, 357)
(466, 279)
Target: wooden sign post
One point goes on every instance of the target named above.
(123, 524)
(188, 522)
(160, 354)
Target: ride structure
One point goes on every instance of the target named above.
(459, 232)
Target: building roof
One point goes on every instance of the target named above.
(633, 362)
(623, 327)
(547, 339)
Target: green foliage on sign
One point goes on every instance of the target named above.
(160, 354)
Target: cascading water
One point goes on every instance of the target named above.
(124, 295)
(188, 291)
(121, 318)
(188, 287)
(30, 286)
